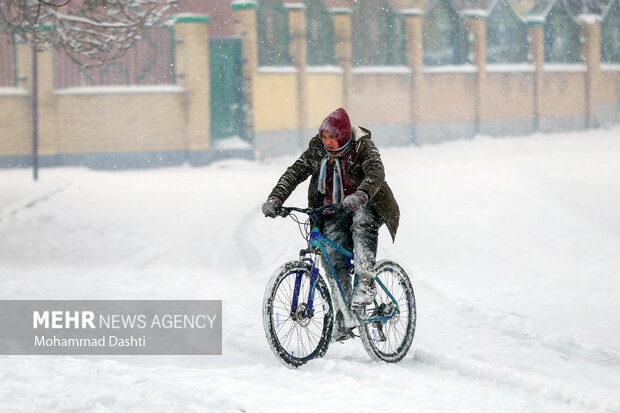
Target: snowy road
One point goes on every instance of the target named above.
(513, 245)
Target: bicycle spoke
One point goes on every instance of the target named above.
(286, 339)
(299, 341)
(287, 291)
(315, 335)
(286, 311)
(284, 323)
(312, 341)
(318, 324)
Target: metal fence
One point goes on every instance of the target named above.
(506, 35)
(320, 34)
(378, 34)
(610, 35)
(446, 35)
(273, 34)
(149, 62)
(7, 63)
(562, 36)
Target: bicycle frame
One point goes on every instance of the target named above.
(319, 243)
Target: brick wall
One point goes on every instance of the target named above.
(15, 124)
(125, 125)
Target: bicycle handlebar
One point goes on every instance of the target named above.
(285, 211)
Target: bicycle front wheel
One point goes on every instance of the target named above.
(390, 340)
(298, 326)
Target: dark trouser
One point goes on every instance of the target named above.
(357, 232)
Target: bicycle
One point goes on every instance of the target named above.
(298, 306)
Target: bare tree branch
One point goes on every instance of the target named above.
(91, 32)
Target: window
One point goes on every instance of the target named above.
(610, 35)
(445, 35)
(562, 36)
(506, 35)
(320, 34)
(378, 35)
(273, 34)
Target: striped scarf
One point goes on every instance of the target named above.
(337, 187)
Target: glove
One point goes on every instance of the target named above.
(356, 201)
(271, 206)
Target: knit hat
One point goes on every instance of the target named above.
(338, 125)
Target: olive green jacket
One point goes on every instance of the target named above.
(366, 173)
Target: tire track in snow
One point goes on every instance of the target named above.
(30, 204)
(550, 389)
(239, 246)
(531, 377)
(39, 200)
(519, 327)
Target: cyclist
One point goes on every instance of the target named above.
(346, 168)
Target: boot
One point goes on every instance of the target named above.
(340, 333)
(364, 293)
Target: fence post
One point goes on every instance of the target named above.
(299, 53)
(344, 50)
(244, 16)
(192, 73)
(478, 28)
(537, 57)
(591, 51)
(415, 58)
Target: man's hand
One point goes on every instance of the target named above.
(271, 206)
(355, 202)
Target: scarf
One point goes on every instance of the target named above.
(337, 187)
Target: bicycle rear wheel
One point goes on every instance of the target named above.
(390, 341)
(295, 334)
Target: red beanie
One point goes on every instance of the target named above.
(338, 125)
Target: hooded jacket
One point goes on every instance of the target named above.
(366, 172)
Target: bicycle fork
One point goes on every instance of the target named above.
(306, 310)
(381, 315)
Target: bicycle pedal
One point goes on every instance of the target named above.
(359, 310)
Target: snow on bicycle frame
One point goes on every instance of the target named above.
(317, 243)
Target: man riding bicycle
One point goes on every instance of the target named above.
(345, 168)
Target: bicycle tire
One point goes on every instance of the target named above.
(400, 330)
(296, 341)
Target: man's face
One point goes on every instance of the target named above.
(329, 141)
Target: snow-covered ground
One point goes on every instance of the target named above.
(513, 246)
